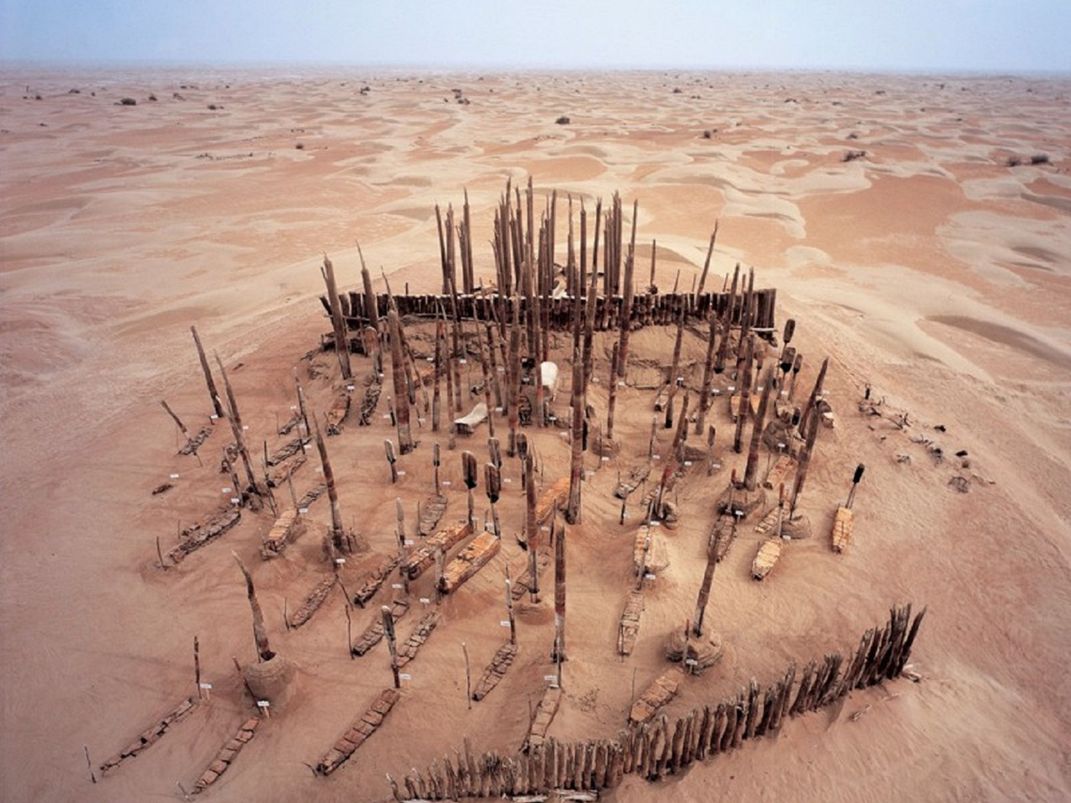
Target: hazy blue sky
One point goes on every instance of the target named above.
(988, 35)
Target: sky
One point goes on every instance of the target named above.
(896, 35)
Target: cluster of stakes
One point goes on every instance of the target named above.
(509, 327)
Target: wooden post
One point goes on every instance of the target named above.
(589, 325)
(531, 527)
(92, 775)
(614, 357)
(486, 370)
(509, 609)
(797, 364)
(752, 467)
(388, 632)
(706, 264)
(217, 405)
(704, 588)
(175, 418)
(493, 487)
(338, 533)
(513, 370)
(674, 368)
(708, 376)
(401, 397)
(558, 653)
(338, 323)
(197, 666)
(576, 444)
(468, 467)
(435, 463)
(804, 464)
(260, 634)
(723, 349)
(237, 429)
(436, 402)
(371, 308)
(388, 448)
(816, 394)
(468, 676)
(743, 382)
(626, 306)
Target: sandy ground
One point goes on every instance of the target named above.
(929, 269)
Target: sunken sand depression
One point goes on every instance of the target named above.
(929, 270)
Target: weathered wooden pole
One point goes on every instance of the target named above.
(708, 376)
(723, 349)
(401, 391)
(260, 634)
(514, 376)
(436, 399)
(175, 418)
(338, 323)
(486, 370)
(558, 653)
(706, 264)
(626, 306)
(576, 462)
(237, 429)
(338, 532)
(612, 402)
(509, 609)
(468, 676)
(744, 387)
(197, 667)
(468, 467)
(392, 459)
(217, 405)
(591, 303)
(371, 308)
(816, 393)
(704, 588)
(302, 408)
(388, 632)
(804, 464)
(531, 527)
(752, 467)
(435, 461)
(493, 487)
(797, 364)
(674, 368)
(403, 550)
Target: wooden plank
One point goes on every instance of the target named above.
(766, 557)
(423, 556)
(286, 529)
(477, 554)
(663, 689)
(843, 529)
(361, 728)
(629, 628)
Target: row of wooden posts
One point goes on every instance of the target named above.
(663, 747)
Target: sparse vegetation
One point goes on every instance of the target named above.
(128, 102)
(563, 120)
(851, 156)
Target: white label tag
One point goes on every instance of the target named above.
(687, 463)
(245, 427)
(340, 561)
(446, 483)
(405, 676)
(214, 417)
(463, 361)
(263, 704)
(235, 500)
(303, 510)
(174, 476)
(409, 542)
(504, 623)
(401, 472)
(350, 388)
(395, 585)
(293, 408)
(206, 686)
(550, 678)
(507, 479)
(425, 601)
(226, 490)
(605, 459)
(649, 576)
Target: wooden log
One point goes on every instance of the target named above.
(477, 554)
(338, 323)
(260, 633)
(752, 467)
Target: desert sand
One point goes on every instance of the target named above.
(929, 269)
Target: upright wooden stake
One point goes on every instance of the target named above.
(260, 634)
(217, 405)
(197, 667)
(338, 533)
(804, 464)
(751, 470)
(704, 588)
(612, 402)
(388, 632)
(401, 398)
(392, 460)
(531, 528)
(706, 264)
(338, 323)
(674, 368)
(708, 377)
(175, 418)
(237, 429)
(509, 609)
(468, 676)
(436, 399)
(816, 393)
(744, 386)
(558, 654)
(435, 461)
(493, 487)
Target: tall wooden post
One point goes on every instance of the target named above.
(338, 323)
(704, 588)
(509, 609)
(723, 349)
(531, 527)
(744, 386)
(486, 370)
(816, 393)
(514, 371)
(804, 464)
(558, 653)
(612, 402)
(392, 645)
(468, 467)
(708, 377)
(260, 634)
(576, 463)
(751, 470)
(236, 428)
(436, 399)
(212, 392)
(338, 532)
(674, 368)
(401, 391)
(626, 306)
(493, 487)
(371, 307)
(706, 264)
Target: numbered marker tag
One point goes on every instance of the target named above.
(405, 676)
(656, 457)
(691, 662)
(563, 435)
(605, 459)
(656, 524)
(340, 561)
(463, 361)
(401, 472)
(446, 483)
(306, 446)
(386, 415)
(504, 623)
(545, 528)
(293, 408)
(498, 409)
(731, 388)
(350, 388)
(245, 427)
(206, 686)
(620, 384)
(550, 678)
(595, 379)
(303, 510)
(396, 585)
(263, 705)
(688, 463)
(507, 479)
(425, 601)
(235, 500)
(648, 576)
(421, 420)
(500, 369)
(409, 542)
(226, 490)
(173, 476)
(213, 417)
